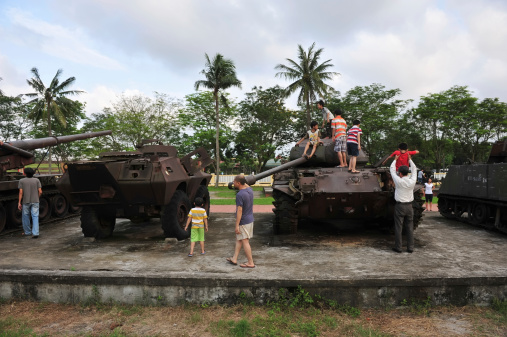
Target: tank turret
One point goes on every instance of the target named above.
(16, 155)
(151, 182)
(476, 193)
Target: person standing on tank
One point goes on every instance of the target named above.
(244, 222)
(404, 196)
(327, 116)
(30, 190)
(339, 129)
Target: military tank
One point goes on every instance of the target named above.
(151, 182)
(477, 193)
(316, 189)
(15, 155)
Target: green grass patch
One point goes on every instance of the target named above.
(257, 201)
(225, 194)
(225, 188)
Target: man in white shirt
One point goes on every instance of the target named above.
(403, 211)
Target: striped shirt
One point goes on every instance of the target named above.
(340, 127)
(353, 133)
(198, 215)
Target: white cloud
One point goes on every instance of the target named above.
(59, 41)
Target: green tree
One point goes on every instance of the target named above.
(308, 76)
(198, 123)
(133, 119)
(266, 124)
(378, 110)
(52, 102)
(220, 74)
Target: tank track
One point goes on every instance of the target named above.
(418, 207)
(472, 211)
(286, 214)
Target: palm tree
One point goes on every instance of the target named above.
(51, 101)
(308, 77)
(220, 75)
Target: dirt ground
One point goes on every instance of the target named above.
(28, 318)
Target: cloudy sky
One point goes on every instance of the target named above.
(127, 46)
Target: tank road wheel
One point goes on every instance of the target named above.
(174, 216)
(202, 192)
(3, 217)
(44, 209)
(14, 216)
(97, 223)
(74, 209)
(60, 205)
(480, 214)
(418, 207)
(445, 207)
(286, 214)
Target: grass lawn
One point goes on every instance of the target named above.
(225, 196)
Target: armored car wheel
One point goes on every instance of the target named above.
(60, 206)
(202, 192)
(174, 216)
(97, 223)
(286, 214)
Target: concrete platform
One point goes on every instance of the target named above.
(453, 263)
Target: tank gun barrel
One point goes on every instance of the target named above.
(251, 179)
(32, 144)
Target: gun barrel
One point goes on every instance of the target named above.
(251, 179)
(32, 144)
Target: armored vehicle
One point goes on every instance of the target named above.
(151, 182)
(477, 193)
(14, 156)
(317, 189)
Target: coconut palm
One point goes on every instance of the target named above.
(51, 101)
(308, 76)
(220, 75)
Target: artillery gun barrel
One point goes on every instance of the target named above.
(251, 179)
(32, 144)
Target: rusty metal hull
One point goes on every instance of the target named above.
(149, 183)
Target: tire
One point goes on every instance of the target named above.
(286, 214)
(60, 206)
(480, 214)
(97, 223)
(3, 217)
(14, 216)
(202, 192)
(44, 209)
(174, 216)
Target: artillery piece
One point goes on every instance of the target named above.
(477, 193)
(16, 155)
(318, 190)
(151, 182)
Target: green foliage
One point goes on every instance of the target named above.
(241, 328)
(266, 125)
(11, 327)
(133, 119)
(308, 76)
(220, 74)
(198, 125)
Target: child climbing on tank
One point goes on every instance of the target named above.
(313, 137)
(199, 219)
(403, 154)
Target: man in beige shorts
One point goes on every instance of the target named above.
(244, 222)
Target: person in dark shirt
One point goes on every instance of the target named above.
(244, 222)
(30, 190)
